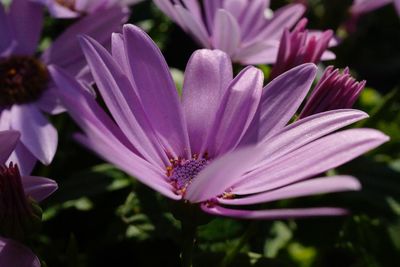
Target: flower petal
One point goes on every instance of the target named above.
(207, 76)
(23, 158)
(236, 112)
(104, 137)
(305, 188)
(226, 32)
(193, 26)
(157, 91)
(280, 100)
(39, 188)
(8, 142)
(99, 26)
(37, 133)
(312, 159)
(26, 18)
(122, 101)
(273, 214)
(222, 173)
(15, 254)
(6, 34)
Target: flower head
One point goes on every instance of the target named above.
(26, 88)
(18, 215)
(74, 8)
(226, 142)
(247, 30)
(299, 47)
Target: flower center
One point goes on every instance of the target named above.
(70, 4)
(182, 172)
(23, 79)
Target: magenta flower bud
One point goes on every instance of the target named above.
(335, 90)
(19, 214)
(299, 47)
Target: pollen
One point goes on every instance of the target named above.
(23, 79)
(182, 172)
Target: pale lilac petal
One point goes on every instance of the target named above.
(226, 32)
(8, 142)
(285, 17)
(123, 103)
(210, 9)
(262, 52)
(222, 173)
(207, 77)
(306, 130)
(118, 51)
(305, 188)
(252, 18)
(104, 137)
(50, 102)
(236, 7)
(312, 159)
(273, 214)
(39, 188)
(127, 161)
(23, 158)
(98, 29)
(6, 34)
(157, 91)
(364, 6)
(26, 18)
(280, 100)
(37, 133)
(15, 254)
(236, 112)
(397, 6)
(194, 27)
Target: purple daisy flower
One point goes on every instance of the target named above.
(226, 142)
(247, 30)
(16, 192)
(334, 90)
(300, 46)
(26, 87)
(77, 8)
(364, 6)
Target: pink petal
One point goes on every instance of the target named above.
(226, 32)
(15, 254)
(39, 188)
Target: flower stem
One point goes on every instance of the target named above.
(189, 230)
(232, 254)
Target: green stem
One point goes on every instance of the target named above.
(232, 254)
(189, 230)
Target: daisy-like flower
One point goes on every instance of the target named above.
(77, 8)
(364, 6)
(247, 30)
(334, 90)
(26, 88)
(17, 215)
(299, 47)
(226, 143)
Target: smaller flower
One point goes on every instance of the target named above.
(334, 90)
(76, 8)
(26, 88)
(364, 6)
(299, 47)
(18, 211)
(247, 30)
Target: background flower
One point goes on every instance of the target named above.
(27, 89)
